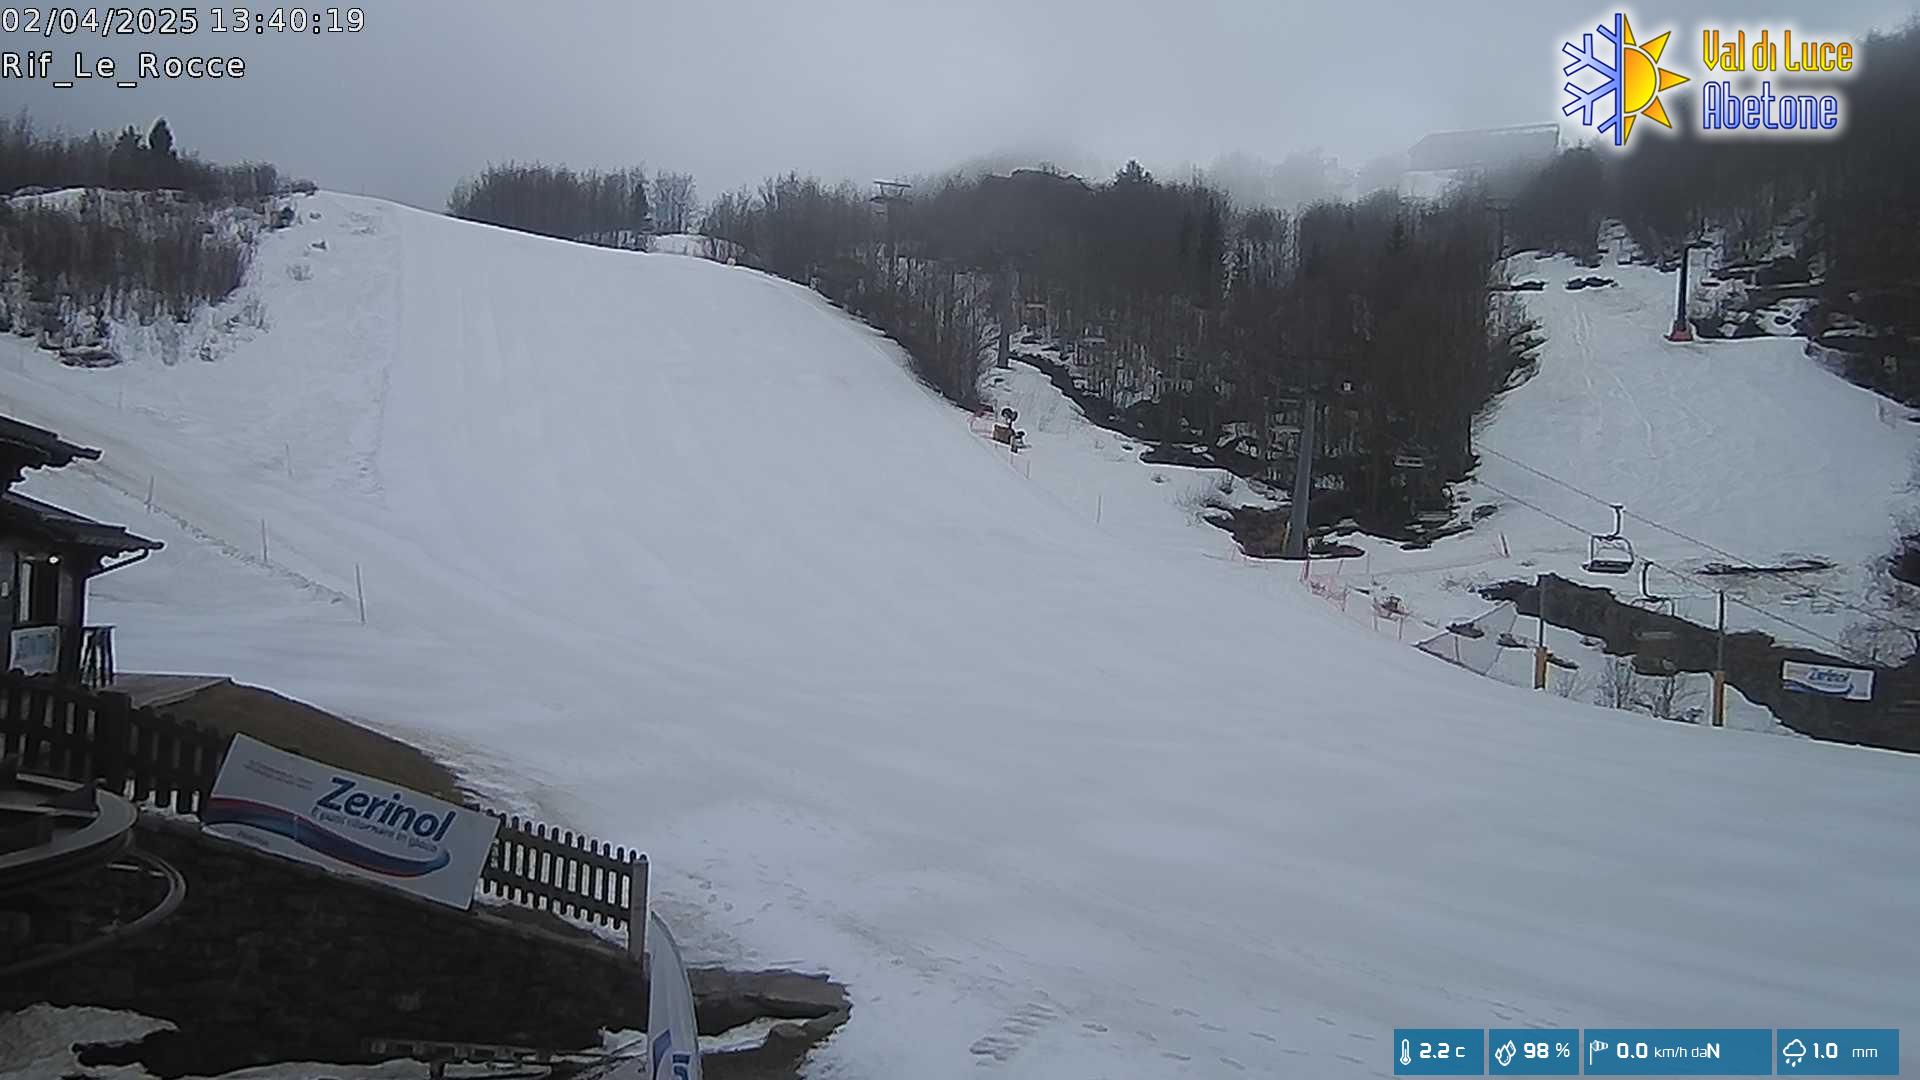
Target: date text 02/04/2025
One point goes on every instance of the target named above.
(174, 21)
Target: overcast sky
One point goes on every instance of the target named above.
(732, 90)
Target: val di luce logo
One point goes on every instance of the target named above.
(1614, 78)
(1724, 108)
(1618, 80)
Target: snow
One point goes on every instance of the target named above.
(1097, 475)
(63, 199)
(40, 1043)
(37, 1042)
(705, 247)
(1054, 780)
(1747, 446)
(1512, 663)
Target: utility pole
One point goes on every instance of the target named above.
(1682, 329)
(1266, 439)
(1007, 312)
(1302, 480)
(1500, 204)
(887, 194)
(1720, 667)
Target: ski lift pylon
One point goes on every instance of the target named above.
(1611, 553)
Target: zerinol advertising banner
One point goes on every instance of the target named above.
(349, 823)
(1851, 684)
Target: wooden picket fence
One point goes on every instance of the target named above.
(60, 729)
(550, 869)
(64, 730)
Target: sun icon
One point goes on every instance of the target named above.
(1641, 80)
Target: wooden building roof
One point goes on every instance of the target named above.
(33, 519)
(23, 447)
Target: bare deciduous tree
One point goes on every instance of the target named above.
(1566, 682)
(605, 208)
(1619, 684)
(1669, 697)
(674, 201)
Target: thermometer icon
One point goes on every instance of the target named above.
(1406, 1052)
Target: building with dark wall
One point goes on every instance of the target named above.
(1497, 156)
(47, 557)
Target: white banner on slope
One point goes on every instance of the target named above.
(673, 1036)
(1852, 684)
(349, 823)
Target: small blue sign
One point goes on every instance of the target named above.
(1439, 1051)
(1677, 1051)
(1533, 1052)
(1838, 1051)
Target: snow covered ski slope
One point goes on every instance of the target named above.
(1717, 448)
(677, 553)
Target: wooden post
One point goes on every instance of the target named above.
(166, 751)
(1540, 653)
(194, 778)
(1720, 667)
(112, 726)
(637, 911)
(143, 758)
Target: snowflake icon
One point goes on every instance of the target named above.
(1603, 62)
(1615, 82)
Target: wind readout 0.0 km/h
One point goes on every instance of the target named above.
(1646, 1052)
(109, 22)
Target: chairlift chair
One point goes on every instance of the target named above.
(1656, 642)
(1648, 598)
(1611, 553)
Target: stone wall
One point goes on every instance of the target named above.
(271, 960)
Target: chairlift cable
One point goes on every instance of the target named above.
(1671, 531)
(1737, 601)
